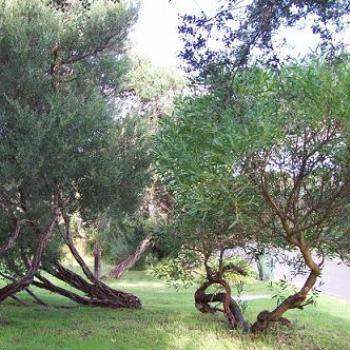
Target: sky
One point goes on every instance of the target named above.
(156, 35)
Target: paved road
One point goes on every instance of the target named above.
(335, 278)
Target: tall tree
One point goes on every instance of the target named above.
(246, 31)
(64, 150)
(272, 166)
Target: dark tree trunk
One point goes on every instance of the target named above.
(36, 299)
(96, 294)
(33, 267)
(231, 309)
(132, 259)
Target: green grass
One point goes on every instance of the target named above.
(167, 321)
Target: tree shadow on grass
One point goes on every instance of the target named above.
(168, 321)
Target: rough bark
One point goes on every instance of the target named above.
(132, 259)
(96, 294)
(94, 288)
(48, 285)
(231, 309)
(33, 267)
(36, 299)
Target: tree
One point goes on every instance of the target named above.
(63, 148)
(303, 174)
(244, 33)
(147, 91)
(270, 166)
(195, 155)
(230, 72)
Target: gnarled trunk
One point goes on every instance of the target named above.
(99, 293)
(96, 292)
(295, 301)
(231, 309)
(94, 296)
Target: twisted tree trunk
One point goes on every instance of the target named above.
(96, 292)
(99, 293)
(231, 309)
(295, 301)
(94, 296)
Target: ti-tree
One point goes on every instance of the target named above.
(270, 165)
(195, 156)
(63, 150)
(239, 33)
(302, 173)
(150, 92)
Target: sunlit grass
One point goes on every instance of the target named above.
(167, 321)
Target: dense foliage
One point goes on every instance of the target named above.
(271, 165)
(64, 149)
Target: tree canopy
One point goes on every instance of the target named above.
(64, 149)
(269, 165)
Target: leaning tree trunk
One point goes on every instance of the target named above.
(36, 299)
(132, 259)
(93, 295)
(295, 301)
(34, 264)
(97, 293)
(231, 309)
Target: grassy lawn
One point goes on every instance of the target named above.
(167, 321)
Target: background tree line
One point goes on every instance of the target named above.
(254, 151)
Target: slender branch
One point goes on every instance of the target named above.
(132, 259)
(27, 278)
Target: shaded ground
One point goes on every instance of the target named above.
(168, 321)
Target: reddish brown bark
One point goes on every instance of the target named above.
(94, 288)
(266, 318)
(37, 300)
(231, 309)
(96, 294)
